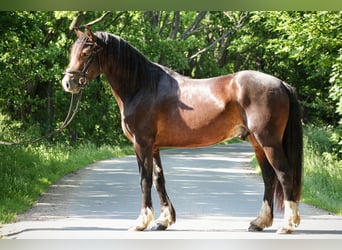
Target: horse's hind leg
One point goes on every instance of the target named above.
(265, 218)
(278, 159)
(168, 214)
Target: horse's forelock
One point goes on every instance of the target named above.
(79, 44)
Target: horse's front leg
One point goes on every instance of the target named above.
(168, 214)
(145, 163)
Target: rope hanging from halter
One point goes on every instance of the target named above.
(70, 116)
(83, 81)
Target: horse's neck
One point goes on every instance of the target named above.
(118, 92)
(119, 99)
(124, 89)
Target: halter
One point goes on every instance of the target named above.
(83, 80)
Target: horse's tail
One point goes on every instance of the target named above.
(293, 146)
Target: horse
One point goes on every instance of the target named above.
(162, 108)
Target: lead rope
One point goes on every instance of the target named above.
(70, 116)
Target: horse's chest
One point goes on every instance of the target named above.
(138, 123)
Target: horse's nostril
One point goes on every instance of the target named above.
(67, 85)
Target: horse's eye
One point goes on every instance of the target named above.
(84, 54)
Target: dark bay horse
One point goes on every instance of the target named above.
(161, 108)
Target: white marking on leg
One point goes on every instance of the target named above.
(165, 218)
(291, 218)
(265, 218)
(143, 221)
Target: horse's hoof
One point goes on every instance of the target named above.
(136, 228)
(158, 227)
(284, 230)
(254, 228)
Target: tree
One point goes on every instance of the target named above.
(302, 48)
(28, 66)
(299, 47)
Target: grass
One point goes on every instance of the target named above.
(322, 181)
(26, 172)
(322, 185)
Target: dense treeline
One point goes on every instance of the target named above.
(302, 48)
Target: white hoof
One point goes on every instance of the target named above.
(265, 218)
(291, 218)
(145, 218)
(164, 220)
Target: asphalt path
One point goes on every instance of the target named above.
(214, 190)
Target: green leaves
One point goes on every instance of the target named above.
(302, 48)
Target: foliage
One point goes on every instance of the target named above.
(303, 48)
(35, 47)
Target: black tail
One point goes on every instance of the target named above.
(293, 146)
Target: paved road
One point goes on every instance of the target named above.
(214, 190)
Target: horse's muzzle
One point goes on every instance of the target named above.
(73, 84)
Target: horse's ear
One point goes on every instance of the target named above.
(78, 32)
(90, 34)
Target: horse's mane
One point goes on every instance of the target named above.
(178, 77)
(131, 68)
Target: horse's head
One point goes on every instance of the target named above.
(84, 64)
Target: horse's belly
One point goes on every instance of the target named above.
(180, 134)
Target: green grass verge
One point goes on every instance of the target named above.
(322, 184)
(26, 172)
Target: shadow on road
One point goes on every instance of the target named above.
(213, 189)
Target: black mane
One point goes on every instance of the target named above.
(131, 68)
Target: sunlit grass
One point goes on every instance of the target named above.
(27, 172)
(322, 171)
